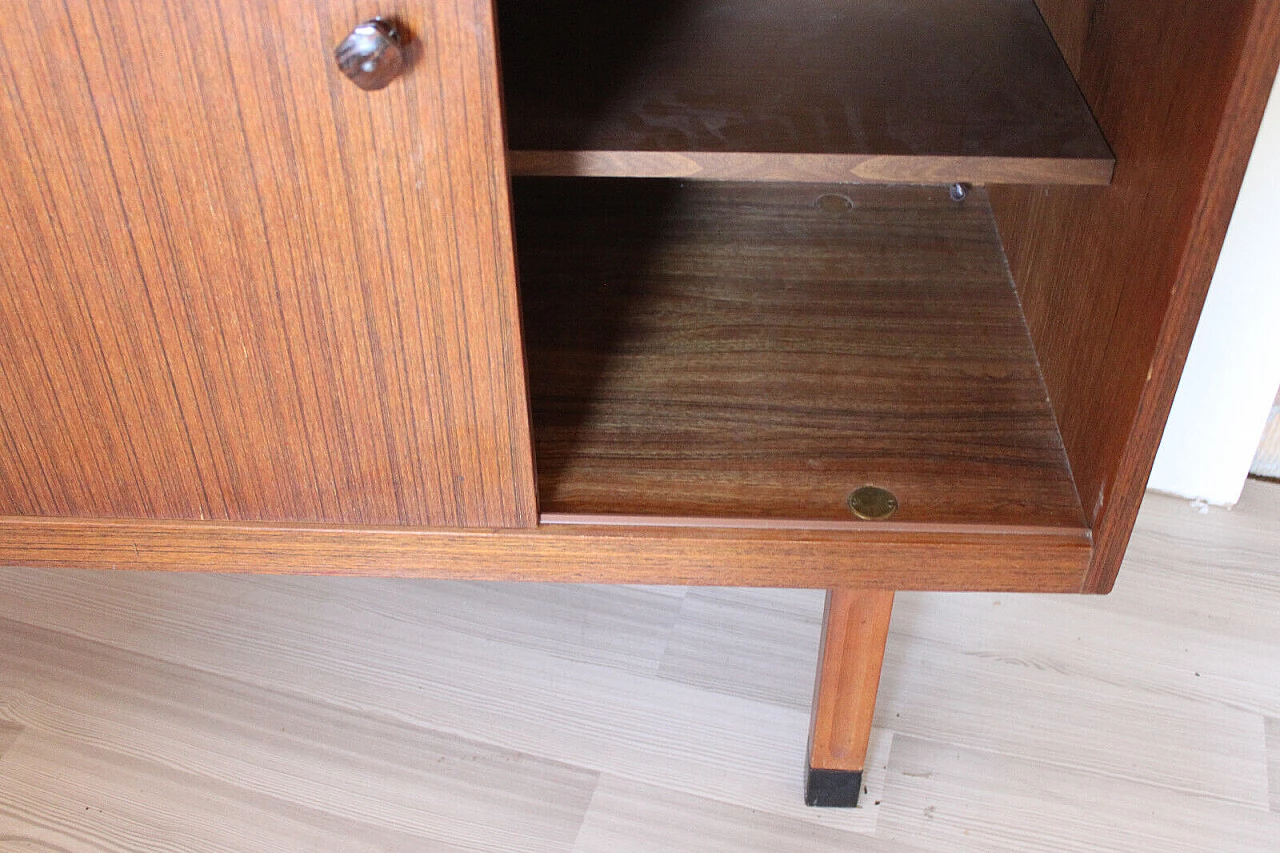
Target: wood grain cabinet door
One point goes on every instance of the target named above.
(237, 286)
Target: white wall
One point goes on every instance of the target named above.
(1233, 370)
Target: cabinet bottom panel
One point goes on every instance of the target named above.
(743, 354)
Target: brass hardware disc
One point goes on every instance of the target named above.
(873, 503)
(834, 203)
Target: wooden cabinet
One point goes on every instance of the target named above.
(255, 318)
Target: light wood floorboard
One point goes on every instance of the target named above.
(631, 817)
(1273, 761)
(941, 797)
(200, 713)
(273, 747)
(1026, 695)
(747, 642)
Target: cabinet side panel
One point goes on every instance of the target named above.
(1113, 278)
(235, 286)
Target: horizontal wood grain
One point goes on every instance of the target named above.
(933, 786)
(369, 770)
(814, 168)
(750, 354)
(875, 557)
(816, 90)
(235, 286)
(313, 713)
(1112, 280)
(628, 816)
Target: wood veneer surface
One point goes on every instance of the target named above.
(855, 625)
(749, 352)
(818, 90)
(235, 286)
(362, 715)
(880, 556)
(1112, 280)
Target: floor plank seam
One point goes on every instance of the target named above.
(586, 814)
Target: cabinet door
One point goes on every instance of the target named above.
(237, 286)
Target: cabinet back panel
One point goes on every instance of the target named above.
(235, 286)
(1112, 279)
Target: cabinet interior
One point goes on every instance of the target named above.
(926, 91)
(746, 289)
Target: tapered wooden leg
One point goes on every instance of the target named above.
(854, 630)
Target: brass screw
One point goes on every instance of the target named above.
(873, 503)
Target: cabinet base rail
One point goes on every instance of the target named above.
(879, 556)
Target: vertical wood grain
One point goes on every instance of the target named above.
(1112, 279)
(855, 627)
(235, 286)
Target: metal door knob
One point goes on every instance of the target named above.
(372, 55)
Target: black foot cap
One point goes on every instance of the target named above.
(833, 788)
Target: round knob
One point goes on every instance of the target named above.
(372, 55)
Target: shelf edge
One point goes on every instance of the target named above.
(813, 168)
(815, 525)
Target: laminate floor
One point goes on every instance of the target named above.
(242, 713)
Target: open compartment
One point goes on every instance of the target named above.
(815, 313)
(747, 354)
(927, 91)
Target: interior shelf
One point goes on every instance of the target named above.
(747, 354)
(881, 91)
